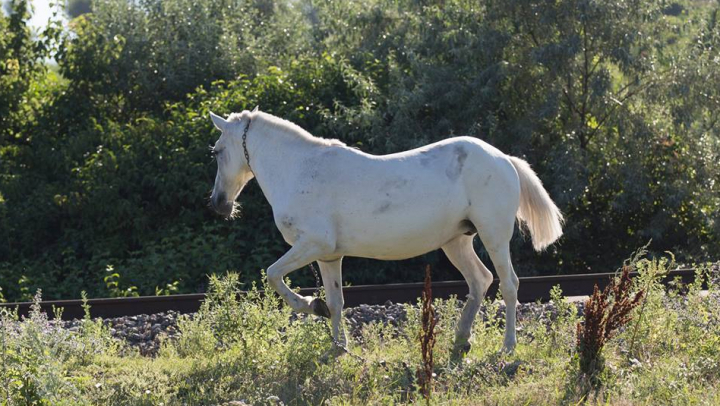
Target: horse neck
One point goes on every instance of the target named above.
(276, 155)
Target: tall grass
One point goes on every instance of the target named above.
(251, 348)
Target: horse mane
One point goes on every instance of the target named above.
(286, 128)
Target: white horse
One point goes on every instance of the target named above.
(330, 201)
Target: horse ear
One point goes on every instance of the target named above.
(256, 109)
(220, 123)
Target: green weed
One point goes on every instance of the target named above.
(250, 347)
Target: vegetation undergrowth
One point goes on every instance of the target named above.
(104, 128)
(605, 313)
(251, 348)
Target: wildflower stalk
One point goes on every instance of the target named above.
(654, 271)
(6, 384)
(637, 325)
(427, 339)
(605, 313)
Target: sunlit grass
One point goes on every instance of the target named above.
(249, 350)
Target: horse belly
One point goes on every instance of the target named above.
(401, 232)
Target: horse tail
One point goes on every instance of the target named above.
(537, 210)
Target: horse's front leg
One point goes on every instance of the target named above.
(332, 280)
(301, 254)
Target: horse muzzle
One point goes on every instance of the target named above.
(221, 205)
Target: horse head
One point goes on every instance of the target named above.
(234, 170)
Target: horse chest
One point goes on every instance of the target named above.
(295, 224)
(287, 224)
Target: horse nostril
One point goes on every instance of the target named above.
(218, 201)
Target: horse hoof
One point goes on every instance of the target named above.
(464, 349)
(459, 352)
(319, 308)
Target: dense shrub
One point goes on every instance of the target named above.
(104, 163)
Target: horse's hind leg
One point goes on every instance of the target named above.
(497, 245)
(461, 253)
(332, 280)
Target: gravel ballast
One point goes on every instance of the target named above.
(146, 331)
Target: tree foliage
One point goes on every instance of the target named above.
(76, 8)
(104, 163)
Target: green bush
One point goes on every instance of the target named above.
(37, 355)
(104, 160)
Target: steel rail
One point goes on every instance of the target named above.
(531, 289)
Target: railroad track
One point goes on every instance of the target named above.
(531, 289)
